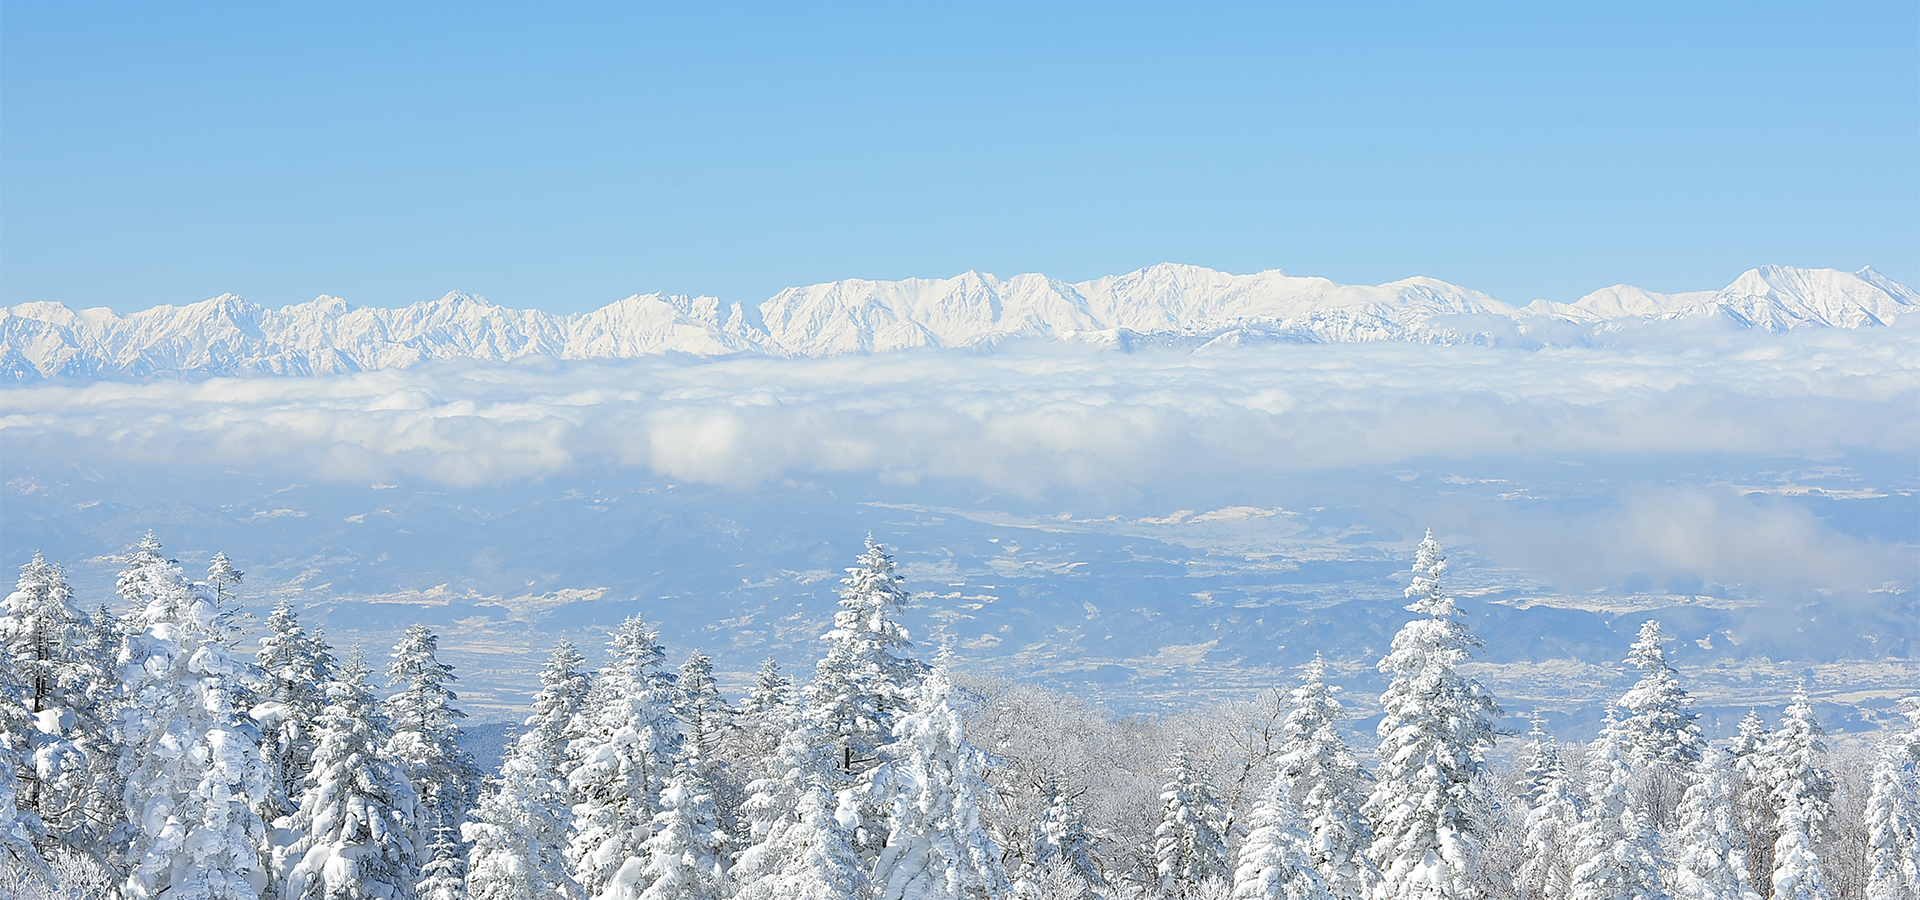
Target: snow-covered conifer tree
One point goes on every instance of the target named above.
(1189, 845)
(1796, 868)
(1659, 725)
(809, 858)
(936, 848)
(20, 829)
(701, 707)
(295, 669)
(684, 856)
(1752, 796)
(864, 681)
(1711, 863)
(623, 748)
(358, 819)
(1793, 755)
(515, 836)
(1619, 854)
(1276, 862)
(44, 635)
(1427, 820)
(771, 691)
(426, 733)
(1553, 815)
(562, 695)
(1893, 816)
(1324, 782)
(443, 876)
(1062, 843)
(189, 756)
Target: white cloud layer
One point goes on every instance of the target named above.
(1018, 422)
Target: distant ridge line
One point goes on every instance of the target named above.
(1166, 304)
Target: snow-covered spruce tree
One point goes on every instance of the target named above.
(1427, 819)
(1893, 816)
(1325, 783)
(1752, 797)
(1553, 815)
(1619, 854)
(1062, 848)
(1659, 723)
(936, 848)
(359, 818)
(563, 694)
(443, 874)
(20, 829)
(1796, 868)
(189, 757)
(515, 836)
(295, 668)
(622, 749)
(684, 856)
(1189, 844)
(44, 637)
(1276, 862)
(810, 857)
(426, 733)
(1793, 754)
(770, 692)
(1710, 863)
(705, 713)
(865, 681)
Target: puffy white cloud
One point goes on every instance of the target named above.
(1020, 421)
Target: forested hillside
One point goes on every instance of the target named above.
(150, 746)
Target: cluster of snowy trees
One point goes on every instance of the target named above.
(142, 755)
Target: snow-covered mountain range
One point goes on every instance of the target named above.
(1167, 303)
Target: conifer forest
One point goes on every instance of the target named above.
(153, 746)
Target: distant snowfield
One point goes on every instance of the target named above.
(1141, 520)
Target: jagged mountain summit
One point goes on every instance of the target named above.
(1167, 303)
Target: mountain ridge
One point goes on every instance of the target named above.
(1166, 303)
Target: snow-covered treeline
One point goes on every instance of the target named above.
(145, 754)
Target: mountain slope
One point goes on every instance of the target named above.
(228, 335)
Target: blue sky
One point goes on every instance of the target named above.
(565, 157)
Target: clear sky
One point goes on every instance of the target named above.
(565, 155)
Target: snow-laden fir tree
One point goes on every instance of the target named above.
(295, 668)
(865, 681)
(1189, 844)
(623, 747)
(515, 836)
(443, 872)
(1325, 783)
(936, 848)
(684, 857)
(1062, 847)
(20, 829)
(1659, 723)
(189, 755)
(1753, 796)
(44, 636)
(1710, 862)
(1427, 819)
(1553, 815)
(704, 712)
(1893, 816)
(1619, 854)
(1276, 862)
(770, 692)
(799, 839)
(1796, 867)
(1793, 757)
(810, 857)
(564, 686)
(359, 818)
(426, 734)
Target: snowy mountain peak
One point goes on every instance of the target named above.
(1165, 303)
